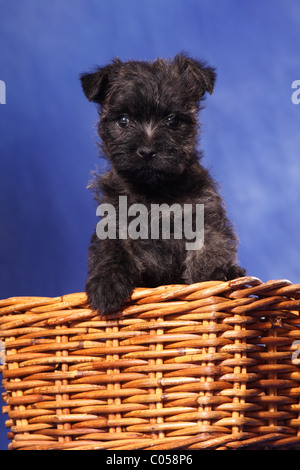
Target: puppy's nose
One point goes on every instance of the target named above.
(146, 152)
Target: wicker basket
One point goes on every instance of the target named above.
(211, 365)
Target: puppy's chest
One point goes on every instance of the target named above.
(157, 260)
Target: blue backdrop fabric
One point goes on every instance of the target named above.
(250, 127)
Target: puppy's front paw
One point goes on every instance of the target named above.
(228, 272)
(108, 295)
(237, 271)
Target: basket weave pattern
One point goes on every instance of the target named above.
(203, 366)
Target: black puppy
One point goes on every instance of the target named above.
(148, 127)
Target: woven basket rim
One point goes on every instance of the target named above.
(201, 366)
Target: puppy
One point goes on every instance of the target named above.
(149, 127)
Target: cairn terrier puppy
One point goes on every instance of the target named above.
(148, 128)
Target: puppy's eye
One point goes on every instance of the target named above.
(123, 121)
(173, 121)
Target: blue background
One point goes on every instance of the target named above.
(250, 132)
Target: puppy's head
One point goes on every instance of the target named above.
(148, 121)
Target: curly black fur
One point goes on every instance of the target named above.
(149, 129)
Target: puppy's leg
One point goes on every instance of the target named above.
(215, 261)
(111, 276)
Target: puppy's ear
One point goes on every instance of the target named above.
(204, 77)
(95, 85)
